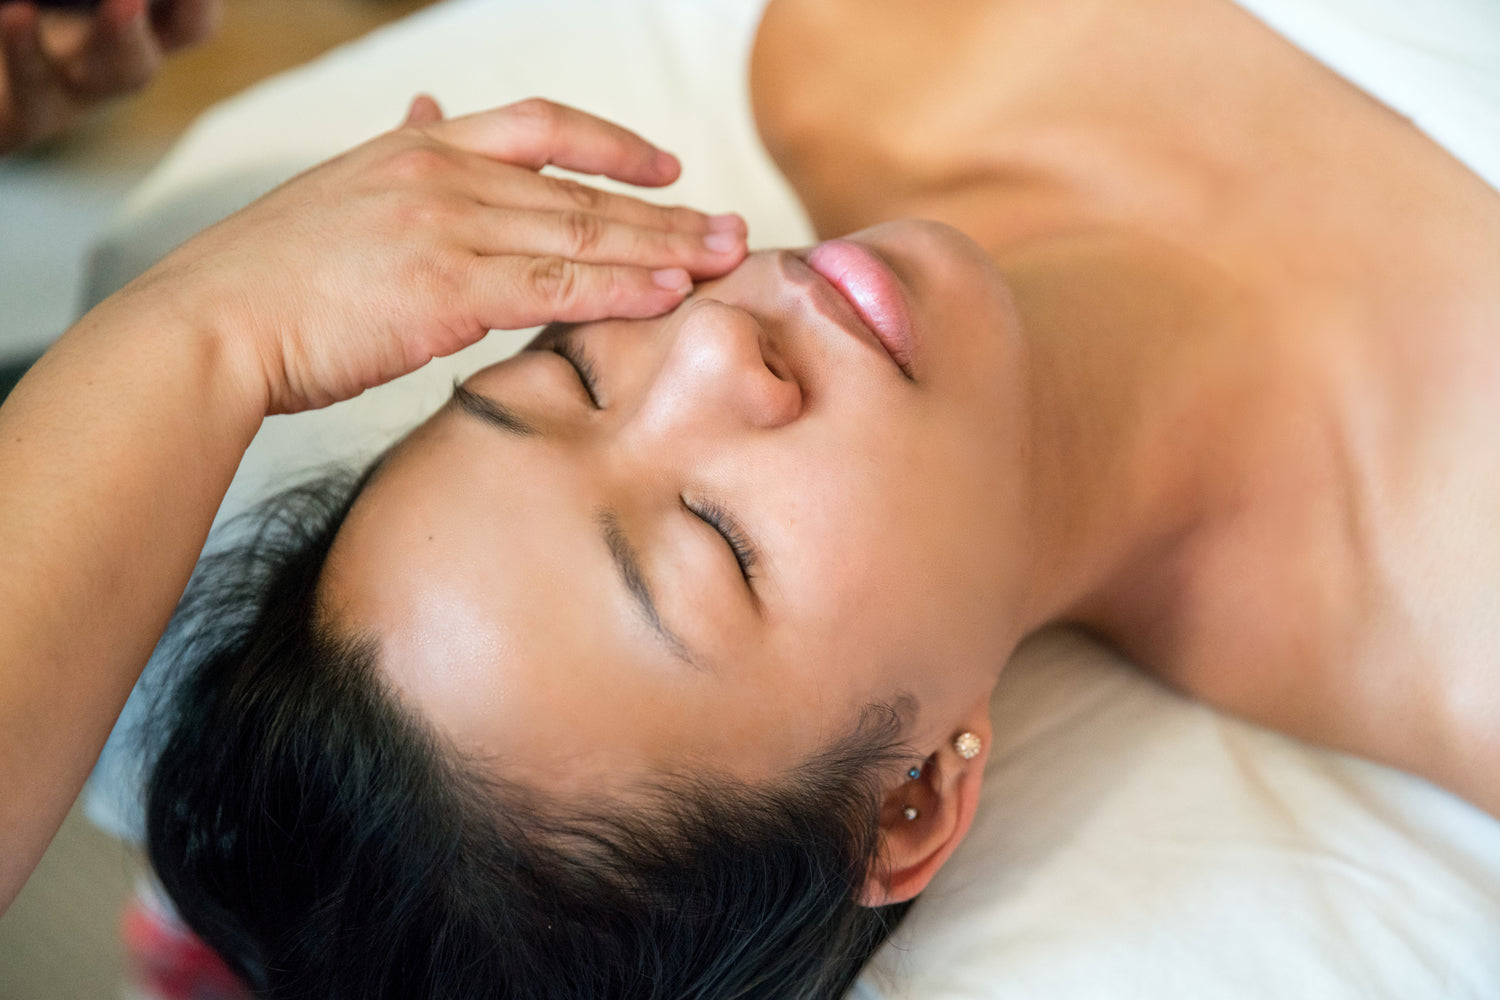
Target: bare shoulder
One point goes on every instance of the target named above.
(865, 103)
(1356, 603)
(1354, 598)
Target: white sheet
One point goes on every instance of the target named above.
(1130, 844)
(1436, 62)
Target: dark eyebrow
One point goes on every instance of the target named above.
(629, 564)
(496, 414)
(491, 411)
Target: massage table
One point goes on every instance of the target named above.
(1130, 843)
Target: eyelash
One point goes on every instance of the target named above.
(571, 351)
(707, 511)
(729, 529)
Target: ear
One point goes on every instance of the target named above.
(945, 796)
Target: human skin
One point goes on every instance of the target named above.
(479, 559)
(55, 66)
(1274, 278)
(1199, 426)
(117, 447)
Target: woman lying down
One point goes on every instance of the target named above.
(657, 662)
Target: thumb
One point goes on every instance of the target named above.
(423, 111)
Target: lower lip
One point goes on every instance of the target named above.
(874, 291)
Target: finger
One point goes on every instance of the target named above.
(536, 133)
(594, 239)
(36, 105)
(121, 54)
(424, 111)
(515, 292)
(504, 186)
(181, 23)
(27, 70)
(507, 186)
(118, 14)
(539, 191)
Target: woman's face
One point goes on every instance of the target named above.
(710, 539)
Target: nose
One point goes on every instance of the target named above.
(721, 373)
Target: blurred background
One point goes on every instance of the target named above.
(60, 940)
(54, 201)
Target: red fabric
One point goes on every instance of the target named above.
(170, 963)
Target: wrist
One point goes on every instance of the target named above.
(201, 322)
(174, 338)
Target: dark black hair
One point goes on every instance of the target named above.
(329, 844)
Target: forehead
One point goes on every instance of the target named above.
(476, 565)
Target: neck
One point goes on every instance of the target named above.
(1135, 384)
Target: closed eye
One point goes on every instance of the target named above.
(716, 517)
(571, 349)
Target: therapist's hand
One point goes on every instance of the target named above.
(417, 243)
(55, 66)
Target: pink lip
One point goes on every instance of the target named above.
(874, 291)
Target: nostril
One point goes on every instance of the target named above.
(777, 369)
(772, 359)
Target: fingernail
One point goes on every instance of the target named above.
(722, 242)
(727, 223)
(673, 279)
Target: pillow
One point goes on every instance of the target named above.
(1130, 843)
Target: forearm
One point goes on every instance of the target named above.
(115, 452)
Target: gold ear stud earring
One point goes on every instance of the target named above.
(967, 745)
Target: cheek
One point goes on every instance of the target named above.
(891, 547)
(849, 554)
(970, 329)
